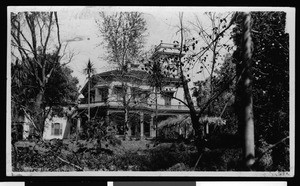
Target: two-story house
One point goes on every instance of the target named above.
(116, 95)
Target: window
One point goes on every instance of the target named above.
(134, 92)
(103, 94)
(168, 97)
(118, 92)
(56, 129)
(144, 96)
(92, 96)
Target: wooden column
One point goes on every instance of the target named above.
(142, 124)
(78, 124)
(107, 117)
(152, 131)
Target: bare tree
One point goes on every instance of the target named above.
(123, 34)
(215, 42)
(36, 44)
(178, 65)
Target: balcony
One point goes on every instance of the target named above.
(166, 49)
(118, 104)
(169, 107)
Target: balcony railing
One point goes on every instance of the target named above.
(138, 106)
(163, 46)
(167, 48)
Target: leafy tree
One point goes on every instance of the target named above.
(123, 34)
(61, 89)
(270, 83)
(37, 53)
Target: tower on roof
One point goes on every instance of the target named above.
(166, 49)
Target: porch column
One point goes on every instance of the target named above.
(152, 130)
(107, 117)
(78, 128)
(206, 128)
(142, 124)
(78, 125)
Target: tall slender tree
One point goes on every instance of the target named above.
(270, 71)
(89, 71)
(244, 91)
(123, 34)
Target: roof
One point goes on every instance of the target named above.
(114, 75)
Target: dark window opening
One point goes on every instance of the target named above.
(56, 129)
(168, 98)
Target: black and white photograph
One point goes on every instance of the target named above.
(150, 91)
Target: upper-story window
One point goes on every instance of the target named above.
(168, 98)
(135, 93)
(144, 96)
(92, 96)
(103, 94)
(118, 91)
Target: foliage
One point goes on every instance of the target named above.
(192, 52)
(36, 53)
(89, 69)
(223, 79)
(180, 127)
(61, 89)
(123, 35)
(270, 81)
(99, 130)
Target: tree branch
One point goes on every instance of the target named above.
(270, 148)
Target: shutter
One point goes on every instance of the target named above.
(52, 128)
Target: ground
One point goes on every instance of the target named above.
(125, 155)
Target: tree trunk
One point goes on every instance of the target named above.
(156, 113)
(39, 113)
(89, 98)
(127, 130)
(244, 96)
(199, 132)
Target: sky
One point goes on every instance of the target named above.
(79, 30)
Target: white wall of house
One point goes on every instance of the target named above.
(177, 92)
(55, 128)
(113, 98)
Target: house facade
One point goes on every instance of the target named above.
(116, 95)
(55, 127)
